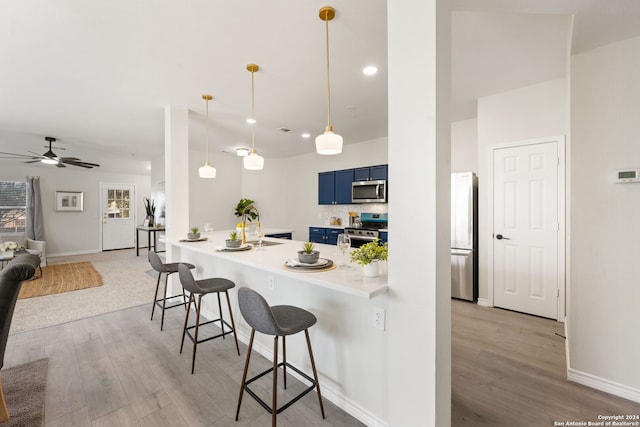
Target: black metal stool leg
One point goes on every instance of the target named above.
(315, 374)
(274, 405)
(186, 321)
(155, 298)
(164, 300)
(284, 360)
(220, 311)
(233, 324)
(244, 374)
(195, 340)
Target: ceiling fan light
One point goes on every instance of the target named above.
(49, 161)
(242, 152)
(253, 161)
(207, 171)
(329, 143)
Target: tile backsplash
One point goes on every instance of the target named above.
(342, 211)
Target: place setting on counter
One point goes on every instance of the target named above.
(309, 260)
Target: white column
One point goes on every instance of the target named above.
(176, 164)
(419, 317)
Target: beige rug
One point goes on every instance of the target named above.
(25, 388)
(59, 278)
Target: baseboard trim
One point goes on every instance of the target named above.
(483, 302)
(603, 384)
(91, 251)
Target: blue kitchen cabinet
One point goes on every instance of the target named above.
(383, 236)
(327, 236)
(334, 187)
(371, 173)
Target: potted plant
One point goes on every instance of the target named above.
(308, 255)
(368, 256)
(233, 241)
(194, 235)
(150, 207)
(241, 209)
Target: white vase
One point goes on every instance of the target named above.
(370, 270)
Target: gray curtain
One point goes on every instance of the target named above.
(35, 225)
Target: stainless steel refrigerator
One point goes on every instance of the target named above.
(464, 236)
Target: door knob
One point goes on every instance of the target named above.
(500, 237)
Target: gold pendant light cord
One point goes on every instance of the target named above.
(206, 133)
(328, 78)
(253, 116)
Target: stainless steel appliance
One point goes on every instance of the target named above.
(369, 191)
(368, 230)
(464, 236)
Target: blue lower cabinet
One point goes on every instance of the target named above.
(327, 236)
(383, 236)
(280, 235)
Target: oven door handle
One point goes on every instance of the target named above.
(370, 239)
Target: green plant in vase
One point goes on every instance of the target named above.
(308, 254)
(368, 256)
(150, 208)
(233, 241)
(194, 233)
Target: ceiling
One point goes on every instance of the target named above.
(97, 75)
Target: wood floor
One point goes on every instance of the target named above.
(509, 369)
(118, 369)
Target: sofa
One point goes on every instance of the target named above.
(19, 269)
(34, 247)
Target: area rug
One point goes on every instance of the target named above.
(58, 278)
(25, 387)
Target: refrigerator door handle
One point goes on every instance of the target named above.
(461, 252)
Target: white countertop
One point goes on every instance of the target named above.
(272, 259)
(337, 227)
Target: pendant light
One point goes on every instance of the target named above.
(253, 161)
(207, 171)
(328, 142)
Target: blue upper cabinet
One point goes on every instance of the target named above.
(334, 188)
(344, 179)
(371, 173)
(326, 188)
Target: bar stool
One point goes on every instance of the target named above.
(201, 288)
(167, 269)
(279, 321)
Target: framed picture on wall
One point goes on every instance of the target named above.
(69, 201)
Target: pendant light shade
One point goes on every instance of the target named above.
(207, 171)
(329, 142)
(253, 161)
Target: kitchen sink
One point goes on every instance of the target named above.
(265, 243)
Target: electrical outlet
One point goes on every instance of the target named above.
(379, 318)
(271, 283)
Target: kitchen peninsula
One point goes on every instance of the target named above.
(348, 349)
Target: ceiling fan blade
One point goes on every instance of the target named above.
(78, 163)
(17, 156)
(33, 161)
(60, 165)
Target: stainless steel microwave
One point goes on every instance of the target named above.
(369, 192)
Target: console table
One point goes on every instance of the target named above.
(150, 231)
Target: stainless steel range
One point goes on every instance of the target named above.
(368, 229)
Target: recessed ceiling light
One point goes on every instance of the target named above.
(306, 135)
(242, 152)
(370, 70)
(251, 120)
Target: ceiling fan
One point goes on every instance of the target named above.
(51, 158)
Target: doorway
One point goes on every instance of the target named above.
(526, 205)
(118, 216)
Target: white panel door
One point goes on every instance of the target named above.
(118, 216)
(526, 229)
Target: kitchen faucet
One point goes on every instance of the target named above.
(245, 213)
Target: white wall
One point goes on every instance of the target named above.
(75, 232)
(530, 112)
(605, 254)
(464, 146)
